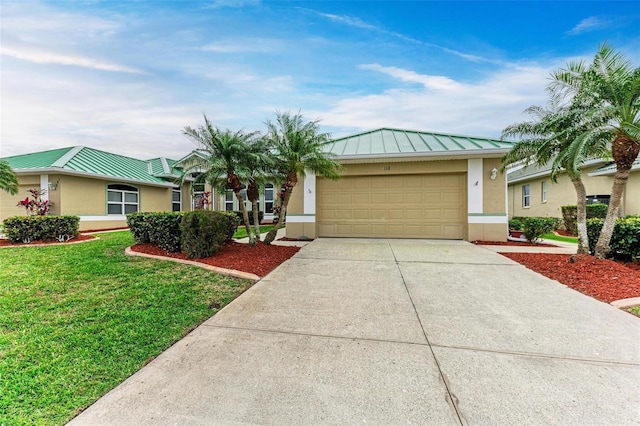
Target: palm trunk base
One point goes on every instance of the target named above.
(271, 235)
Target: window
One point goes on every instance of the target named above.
(595, 199)
(526, 196)
(543, 190)
(268, 198)
(176, 200)
(198, 196)
(228, 201)
(121, 199)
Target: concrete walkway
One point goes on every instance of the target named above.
(354, 331)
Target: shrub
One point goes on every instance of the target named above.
(139, 227)
(20, 229)
(597, 210)
(515, 224)
(569, 218)
(164, 230)
(232, 224)
(570, 215)
(625, 240)
(535, 227)
(203, 232)
(239, 214)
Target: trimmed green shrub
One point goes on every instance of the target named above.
(164, 230)
(570, 215)
(139, 227)
(597, 210)
(239, 214)
(25, 229)
(515, 224)
(203, 233)
(535, 227)
(569, 218)
(625, 240)
(232, 224)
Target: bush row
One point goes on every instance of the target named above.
(625, 241)
(535, 227)
(570, 215)
(198, 234)
(25, 229)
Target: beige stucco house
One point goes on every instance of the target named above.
(532, 193)
(395, 184)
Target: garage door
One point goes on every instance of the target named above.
(398, 206)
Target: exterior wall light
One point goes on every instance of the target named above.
(494, 174)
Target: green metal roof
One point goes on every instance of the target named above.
(610, 169)
(89, 161)
(387, 141)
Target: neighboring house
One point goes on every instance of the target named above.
(406, 184)
(532, 193)
(98, 186)
(396, 184)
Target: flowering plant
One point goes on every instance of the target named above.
(36, 205)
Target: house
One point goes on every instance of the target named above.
(532, 193)
(396, 184)
(98, 186)
(406, 184)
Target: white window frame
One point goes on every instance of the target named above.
(175, 191)
(543, 190)
(229, 200)
(269, 200)
(526, 196)
(123, 203)
(196, 193)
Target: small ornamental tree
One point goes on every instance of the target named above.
(36, 206)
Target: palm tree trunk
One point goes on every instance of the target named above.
(271, 235)
(581, 215)
(256, 218)
(619, 183)
(245, 216)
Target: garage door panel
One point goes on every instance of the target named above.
(397, 206)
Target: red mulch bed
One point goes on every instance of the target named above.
(260, 259)
(564, 233)
(511, 243)
(604, 280)
(6, 243)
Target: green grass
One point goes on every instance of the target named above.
(77, 320)
(562, 238)
(635, 311)
(242, 232)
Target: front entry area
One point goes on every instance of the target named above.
(393, 206)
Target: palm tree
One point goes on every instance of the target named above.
(610, 87)
(258, 164)
(547, 139)
(224, 153)
(8, 178)
(297, 146)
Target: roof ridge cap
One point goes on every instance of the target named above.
(62, 161)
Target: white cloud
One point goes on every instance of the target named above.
(482, 108)
(589, 24)
(40, 56)
(258, 45)
(347, 20)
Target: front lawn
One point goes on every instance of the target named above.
(77, 320)
(561, 238)
(241, 232)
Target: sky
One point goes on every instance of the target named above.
(128, 76)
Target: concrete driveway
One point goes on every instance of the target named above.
(354, 331)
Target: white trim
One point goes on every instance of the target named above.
(475, 185)
(60, 162)
(309, 206)
(301, 218)
(44, 184)
(93, 176)
(105, 217)
(487, 219)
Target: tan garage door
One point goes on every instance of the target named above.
(397, 206)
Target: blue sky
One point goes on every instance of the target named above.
(128, 76)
